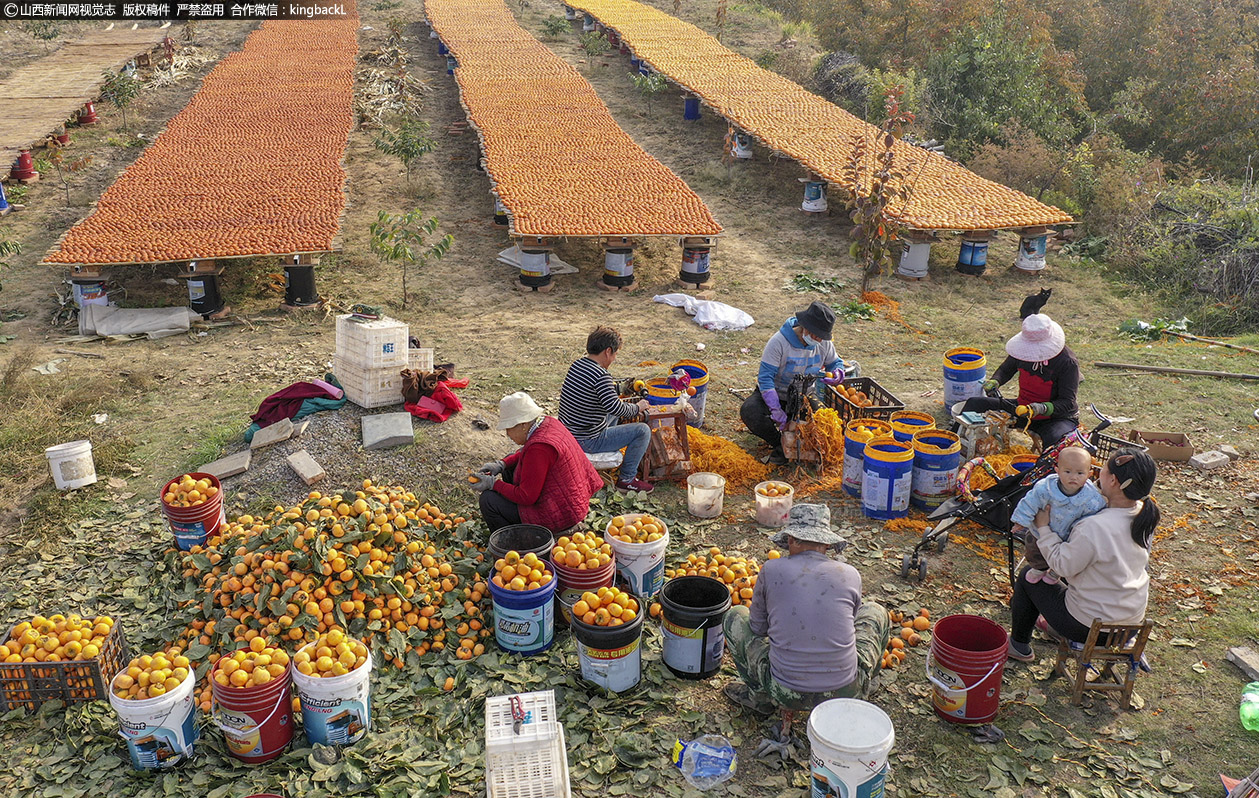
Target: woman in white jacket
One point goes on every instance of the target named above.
(1102, 562)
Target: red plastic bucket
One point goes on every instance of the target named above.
(192, 526)
(575, 581)
(965, 666)
(257, 721)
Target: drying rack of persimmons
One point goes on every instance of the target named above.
(556, 158)
(785, 117)
(252, 166)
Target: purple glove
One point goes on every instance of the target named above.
(776, 411)
(837, 376)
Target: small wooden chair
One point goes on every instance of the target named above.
(1108, 645)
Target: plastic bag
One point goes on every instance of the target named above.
(708, 314)
(706, 761)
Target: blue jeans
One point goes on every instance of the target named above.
(631, 437)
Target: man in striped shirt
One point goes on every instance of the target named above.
(589, 403)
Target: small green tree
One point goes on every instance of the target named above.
(66, 167)
(44, 30)
(594, 44)
(555, 26)
(120, 89)
(873, 190)
(648, 86)
(406, 239)
(408, 143)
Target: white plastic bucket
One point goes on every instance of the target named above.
(772, 511)
(1031, 257)
(705, 494)
(814, 196)
(849, 740)
(640, 565)
(336, 710)
(160, 731)
(914, 257)
(90, 293)
(71, 464)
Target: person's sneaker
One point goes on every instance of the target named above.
(741, 694)
(1013, 653)
(776, 457)
(639, 485)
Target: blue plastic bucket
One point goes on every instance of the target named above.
(691, 108)
(937, 454)
(906, 423)
(524, 620)
(441, 47)
(965, 370)
(699, 381)
(1022, 462)
(973, 253)
(855, 450)
(659, 392)
(887, 478)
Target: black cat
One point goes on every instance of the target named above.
(1032, 304)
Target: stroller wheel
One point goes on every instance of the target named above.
(907, 563)
(922, 569)
(942, 541)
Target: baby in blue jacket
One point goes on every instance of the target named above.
(1069, 495)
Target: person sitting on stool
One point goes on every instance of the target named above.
(807, 636)
(548, 481)
(801, 346)
(1049, 378)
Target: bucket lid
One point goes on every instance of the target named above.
(851, 725)
(68, 449)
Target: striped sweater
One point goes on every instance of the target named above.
(588, 398)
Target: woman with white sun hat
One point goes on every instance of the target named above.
(1049, 377)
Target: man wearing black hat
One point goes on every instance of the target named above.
(802, 346)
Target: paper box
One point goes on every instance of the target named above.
(1164, 445)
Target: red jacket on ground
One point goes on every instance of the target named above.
(553, 480)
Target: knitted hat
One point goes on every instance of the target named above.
(818, 319)
(1041, 339)
(810, 523)
(517, 408)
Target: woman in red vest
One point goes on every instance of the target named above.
(547, 481)
(1049, 377)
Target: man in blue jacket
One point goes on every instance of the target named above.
(801, 346)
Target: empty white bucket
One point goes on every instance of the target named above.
(71, 464)
(849, 741)
(705, 494)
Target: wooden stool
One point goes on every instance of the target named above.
(1108, 645)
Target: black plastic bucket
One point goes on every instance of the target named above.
(610, 656)
(694, 641)
(522, 538)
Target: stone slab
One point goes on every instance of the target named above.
(306, 467)
(229, 466)
(386, 430)
(1231, 451)
(300, 426)
(1247, 659)
(281, 430)
(1206, 461)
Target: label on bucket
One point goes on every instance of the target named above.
(934, 484)
(948, 703)
(524, 630)
(852, 473)
(189, 534)
(154, 746)
(241, 732)
(646, 583)
(846, 779)
(875, 491)
(691, 650)
(616, 669)
(336, 719)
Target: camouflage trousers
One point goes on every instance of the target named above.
(751, 658)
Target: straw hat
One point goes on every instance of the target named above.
(517, 408)
(1041, 339)
(808, 522)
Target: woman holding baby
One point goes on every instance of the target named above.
(1096, 570)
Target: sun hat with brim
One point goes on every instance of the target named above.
(810, 523)
(1041, 339)
(517, 408)
(818, 319)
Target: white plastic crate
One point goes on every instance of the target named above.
(377, 343)
(421, 359)
(369, 387)
(540, 728)
(541, 772)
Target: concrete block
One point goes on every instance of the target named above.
(1206, 461)
(279, 431)
(300, 426)
(229, 466)
(306, 467)
(1247, 659)
(386, 430)
(1231, 451)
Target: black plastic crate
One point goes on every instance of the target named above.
(1109, 444)
(883, 403)
(29, 684)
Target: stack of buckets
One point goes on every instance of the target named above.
(524, 620)
(193, 526)
(887, 478)
(699, 381)
(857, 433)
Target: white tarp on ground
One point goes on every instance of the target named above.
(153, 322)
(709, 314)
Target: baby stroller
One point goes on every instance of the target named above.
(992, 507)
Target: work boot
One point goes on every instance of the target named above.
(741, 694)
(776, 456)
(642, 486)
